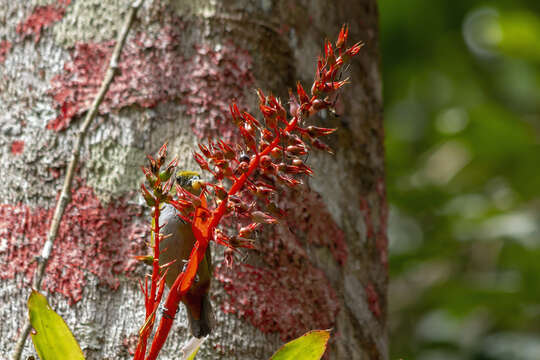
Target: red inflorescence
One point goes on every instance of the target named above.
(249, 179)
(155, 70)
(5, 46)
(93, 238)
(41, 17)
(17, 147)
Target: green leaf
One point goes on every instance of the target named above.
(192, 356)
(51, 336)
(310, 346)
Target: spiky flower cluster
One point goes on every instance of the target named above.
(246, 178)
(160, 182)
(272, 153)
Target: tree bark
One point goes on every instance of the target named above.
(325, 265)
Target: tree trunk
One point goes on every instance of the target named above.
(323, 266)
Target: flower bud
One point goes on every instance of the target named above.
(205, 150)
(315, 131)
(301, 93)
(263, 192)
(296, 150)
(242, 167)
(267, 135)
(293, 104)
(201, 161)
(221, 194)
(228, 151)
(342, 38)
(265, 161)
(246, 231)
(262, 218)
(260, 95)
(318, 144)
(276, 153)
(150, 200)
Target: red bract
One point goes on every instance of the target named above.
(355, 49)
(342, 38)
(246, 179)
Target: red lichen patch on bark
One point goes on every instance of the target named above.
(216, 79)
(152, 70)
(93, 238)
(382, 238)
(5, 46)
(373, 300)
(309, 219)
(130, 343)
(40, 18)
(290, 295)
(17, 147)
(289, 299)
(366, 211)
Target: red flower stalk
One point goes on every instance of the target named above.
(243, 175)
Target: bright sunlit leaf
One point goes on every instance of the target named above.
(310, 346)
(51, 336)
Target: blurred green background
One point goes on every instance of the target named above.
(462, 117)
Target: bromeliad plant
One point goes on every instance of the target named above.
(246, 176)
(53, 339)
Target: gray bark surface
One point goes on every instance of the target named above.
(283, 38)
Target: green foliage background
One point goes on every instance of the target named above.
(462, 102)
